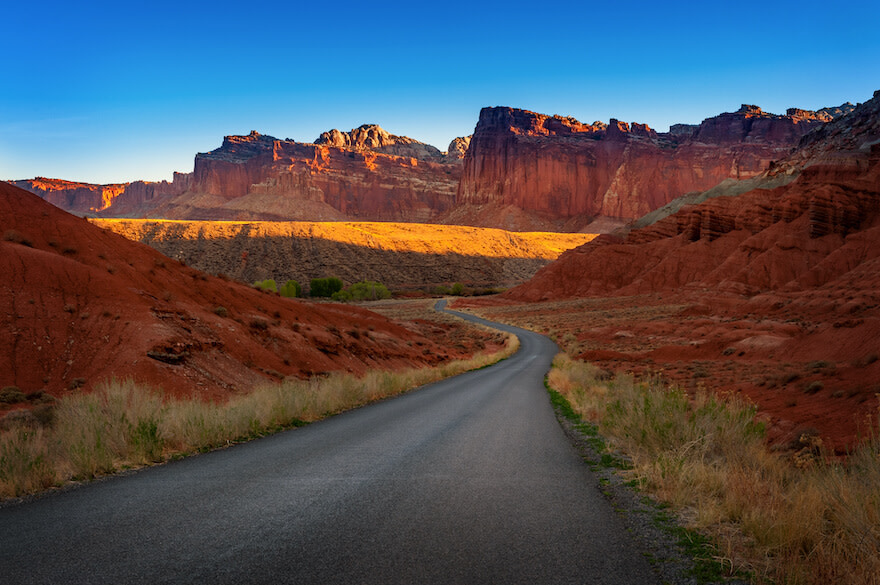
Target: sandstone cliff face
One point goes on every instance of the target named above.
(365, 174)
(93, 200)
(72, 196)
(561, 168)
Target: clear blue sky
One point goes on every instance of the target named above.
(111, 92)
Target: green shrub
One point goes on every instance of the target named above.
(268, 285)
(325, 287)
(290, 289)
(458, 289)
(363, 291)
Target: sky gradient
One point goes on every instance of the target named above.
(113, 92)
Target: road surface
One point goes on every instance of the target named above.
(469, 480)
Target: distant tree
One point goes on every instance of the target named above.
(458, 289)
(367, 290)
(291, 289)
(324, 287)
(268, 285)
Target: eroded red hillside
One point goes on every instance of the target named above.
(80, 304)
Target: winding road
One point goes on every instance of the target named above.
(468, 480)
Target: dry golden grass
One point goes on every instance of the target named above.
(396, 237)
(123, 424)
(806, 519)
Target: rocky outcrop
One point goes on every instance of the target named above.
(458, 147)
(560, 168)
(373, 137)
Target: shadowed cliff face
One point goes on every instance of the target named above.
(562, 168)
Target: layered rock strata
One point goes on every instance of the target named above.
(561, 168)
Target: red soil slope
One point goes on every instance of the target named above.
(80, 304)
(784, 280)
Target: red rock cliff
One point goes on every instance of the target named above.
(561, 168)
(366, 174)
(108, 200)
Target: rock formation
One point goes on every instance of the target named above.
(89, 199)
(458, 147)
(519, 171)
(559, 168)
(366, 174)
(373, 137)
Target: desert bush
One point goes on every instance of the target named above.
(17, 238)
(12, 395)
(290, 289)
(814, 523)
(363, 291)
(457, 289)
(267, 285)
(324, 287)
(221, 311)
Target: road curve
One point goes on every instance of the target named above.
(469, 480)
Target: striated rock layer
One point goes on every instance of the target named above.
(562, 169)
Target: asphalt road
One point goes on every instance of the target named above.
(470, 480)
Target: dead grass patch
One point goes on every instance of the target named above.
(123, 424)
(805, 519)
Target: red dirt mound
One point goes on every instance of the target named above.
(80, 304)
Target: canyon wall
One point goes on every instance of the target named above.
(560, 168)
(520, 171)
